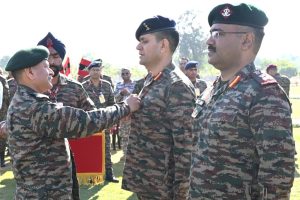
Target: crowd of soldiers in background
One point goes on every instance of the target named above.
(122, 89)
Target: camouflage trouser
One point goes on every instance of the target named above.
(124, 133)
(108, 163)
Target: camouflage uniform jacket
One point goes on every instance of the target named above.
(200, 85)
(36, 132)
(103, 92)
(246, 147)
(284, 82)
(5, 98)
(139, 84)
(161, 139)
(4, 107)
(70, 93)
(104, 77)
(12, 87)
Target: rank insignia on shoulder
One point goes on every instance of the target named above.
(263, 78)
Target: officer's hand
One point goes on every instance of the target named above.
(133, 101)
(3, 132)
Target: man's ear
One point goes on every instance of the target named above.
(164, 45)
(29, 73)
(248, 40)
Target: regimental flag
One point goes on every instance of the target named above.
(83, 67)
(66, 67)
(89, 155)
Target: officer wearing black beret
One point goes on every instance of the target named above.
(246, 148)
(160, 145)
(98, 63)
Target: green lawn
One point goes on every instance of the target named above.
(105, 191)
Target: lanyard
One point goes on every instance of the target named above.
(53, 93)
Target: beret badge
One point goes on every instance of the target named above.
(146, 26)
(226, 12)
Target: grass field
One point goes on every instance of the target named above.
(113, 191)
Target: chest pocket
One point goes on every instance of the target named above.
(223, 122)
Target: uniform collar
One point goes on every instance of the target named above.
(25, 90)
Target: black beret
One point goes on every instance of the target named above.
(243, 14)
(155, 24)
(191, 64)
(95, 63)
(27, 58)
(50, 41)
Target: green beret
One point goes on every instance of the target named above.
(243, 14)
(27, 58)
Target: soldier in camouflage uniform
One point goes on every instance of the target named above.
(3, 110)
(65, 91)
(161, 140)
(246, 147)
(282, 80)
(37, 128)
(12, 85)
(191, 71)
(102, 76)
(123, 89)
(101, 92)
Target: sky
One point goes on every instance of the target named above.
(106, 29)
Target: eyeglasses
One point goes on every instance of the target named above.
(126, 73)
(218, 34)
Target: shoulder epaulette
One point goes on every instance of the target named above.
(263, 78)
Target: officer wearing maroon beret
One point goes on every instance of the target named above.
(282, 80)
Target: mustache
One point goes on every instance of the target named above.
(211, 48)
(59, 67)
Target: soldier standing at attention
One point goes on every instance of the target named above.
(101, 92)
(282, 80)
(37, 128)
(161, 140)
(102, 76)
(246, 147)
(191, 71)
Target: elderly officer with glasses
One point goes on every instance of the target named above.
(246, 148)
